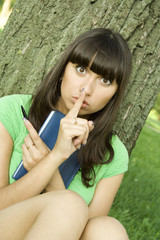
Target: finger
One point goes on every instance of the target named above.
(73, 113)
(80, 140)
(81, 135)
(81, 123)
(26, 158)
(25, 151)
(91, 125)
(28, 141)
(36, 140)
(86, 135)
(89, 128)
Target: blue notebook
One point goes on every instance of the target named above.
(48, 133)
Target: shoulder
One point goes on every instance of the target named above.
(14, 99)
(10, 111)
(120, 150)
(12, 103)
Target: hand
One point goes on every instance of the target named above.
(73, 131)
(34, 149)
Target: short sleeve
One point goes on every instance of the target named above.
(10, 112)
(120, 161)
(7, 112)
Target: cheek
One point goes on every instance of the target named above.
(112, 91)
(65, 85)
(68, 81)
(107, 97)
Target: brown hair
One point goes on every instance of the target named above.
(112, 60)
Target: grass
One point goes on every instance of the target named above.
(137, 204)
(152, 120)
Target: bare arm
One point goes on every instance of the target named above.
(35, 153)
(104, 195)
(35, 181)
(6, 148)
(32, 183)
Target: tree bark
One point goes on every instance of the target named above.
(39, 30)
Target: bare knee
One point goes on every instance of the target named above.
(68, 203)
(75, 204)
(104, 228)
(71, 214)
(69, 199)
(65, 213)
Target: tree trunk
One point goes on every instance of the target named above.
(39, 30)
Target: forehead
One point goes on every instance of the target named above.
(99, 62)
(100, 54)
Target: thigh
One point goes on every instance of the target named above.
(104, 228)
(16, 220)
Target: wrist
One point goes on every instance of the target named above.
(57, 156)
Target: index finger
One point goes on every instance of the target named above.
(73, 113)
(32, 132)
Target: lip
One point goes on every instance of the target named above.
(85, 103)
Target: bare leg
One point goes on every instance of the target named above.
(104, 228)
(56, 215)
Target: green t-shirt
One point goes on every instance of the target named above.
(11, 117)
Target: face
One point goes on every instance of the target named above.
(98, 89)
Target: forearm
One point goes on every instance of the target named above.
(56, 183)
(32, 183)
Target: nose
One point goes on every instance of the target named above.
(89, 85)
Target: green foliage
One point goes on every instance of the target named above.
(12, 3)
(137, 204)
(153, 122)
(1, 4)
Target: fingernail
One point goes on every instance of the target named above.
(82, 90)
(92, 123)
(85, 142)
(79, 147)
(26, 122)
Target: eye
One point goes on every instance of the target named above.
(81, 69)
(105, 81)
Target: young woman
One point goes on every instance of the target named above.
(87, 85)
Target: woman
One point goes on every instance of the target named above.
(87, 85)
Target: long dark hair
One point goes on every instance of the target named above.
(112, 60)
